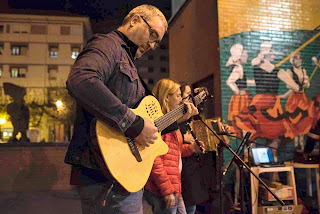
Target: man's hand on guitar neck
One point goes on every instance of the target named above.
(148, 134)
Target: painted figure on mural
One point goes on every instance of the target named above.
(298, 108)
(264, 116)
(237, 81)
(314, 133)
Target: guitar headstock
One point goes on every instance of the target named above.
(202, 94)
(201, 89)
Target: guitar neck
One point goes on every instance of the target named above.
(166, 120)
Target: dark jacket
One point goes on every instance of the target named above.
(105, 84)
(197, 176)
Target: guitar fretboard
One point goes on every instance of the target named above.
(166, 120)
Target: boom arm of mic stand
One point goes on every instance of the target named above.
(239, 150)
(250, 141)
(243, 163)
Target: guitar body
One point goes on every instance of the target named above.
(121, 163)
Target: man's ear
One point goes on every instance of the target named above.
(134, 20)
(166, 98)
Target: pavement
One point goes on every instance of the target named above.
(44, 202)
(67, 202)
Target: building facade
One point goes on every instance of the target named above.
(154, 65)
(37, 52)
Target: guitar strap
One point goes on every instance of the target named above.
(146, 88)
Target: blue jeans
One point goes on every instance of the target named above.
(158, 204)
(191, 209)
(99, 199)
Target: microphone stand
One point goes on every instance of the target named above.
(240, 167)
(239, 160)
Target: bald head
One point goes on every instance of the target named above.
(146, 11)
(145, 26)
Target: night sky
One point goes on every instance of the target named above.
(95, 9)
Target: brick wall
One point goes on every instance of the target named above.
(33, 166)
(286, 26)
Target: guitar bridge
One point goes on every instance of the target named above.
(134, 149)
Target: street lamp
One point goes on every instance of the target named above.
(59, 104)
(2, 121)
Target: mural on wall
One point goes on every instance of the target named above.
(273, 113)
(270, 69)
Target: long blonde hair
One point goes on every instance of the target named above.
(162, 89)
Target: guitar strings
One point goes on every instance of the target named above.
(169, 118)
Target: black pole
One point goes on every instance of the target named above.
(219, 165)
(242, 203)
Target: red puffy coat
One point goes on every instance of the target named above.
(165, 177)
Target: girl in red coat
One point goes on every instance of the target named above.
(163, 189)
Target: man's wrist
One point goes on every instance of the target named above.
(136, 127)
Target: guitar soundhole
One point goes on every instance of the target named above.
(151, 109)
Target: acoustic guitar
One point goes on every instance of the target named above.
(129, 163)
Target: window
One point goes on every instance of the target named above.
(1, 48)
(53, 51)
(163, 70)
(150, 57)
(19, 49)
(143, 69)
(150, 69)
(20, 28)
(39, 29)
(163, 58)
(8, 28)
(53, 72)
(75, 52)
(65, 30)
(1, 28)
(15, 50)
(150, 81)
(16, 72)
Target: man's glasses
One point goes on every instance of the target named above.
(154, 36)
